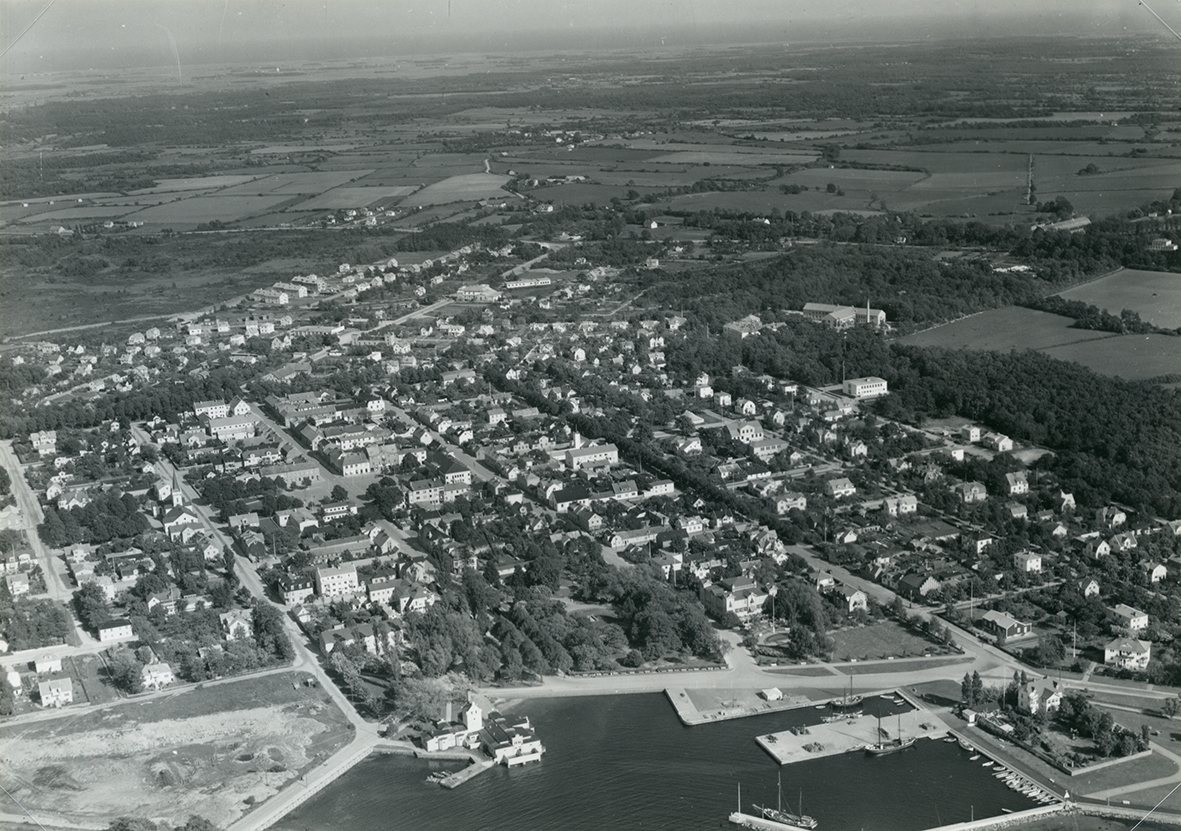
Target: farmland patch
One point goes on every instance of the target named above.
(341, 198)
(294, 184)
(209, 208)
(84, 212)
(195, 183)
(462, 188)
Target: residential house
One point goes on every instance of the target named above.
(998, 442)
(1018, 483)
(296, 589)
(900, 505)
(1153, 572)
(855, 599)
(1110, 517)
(839, 488)
(237, 624)
(917, 586)
(745, 432)
(115, 630)
(786, 502)
(56, 692)
(1039, 698)
(1029, 562)
(156, 675)
(1127, 653)
(971, 492)
(741, 596)
(1128, 619)
(1004, 627)
(1088, 587)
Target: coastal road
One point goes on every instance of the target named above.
(741, 673)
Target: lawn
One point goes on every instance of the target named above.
(880, 640)
(206, 751)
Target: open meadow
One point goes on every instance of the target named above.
(1154, 295)
(1131, 357)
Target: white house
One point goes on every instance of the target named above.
(1130, 620)
(1028, 561)
(1127, 653)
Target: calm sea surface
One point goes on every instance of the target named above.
(617, 762)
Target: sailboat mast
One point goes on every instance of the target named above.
(781, 791)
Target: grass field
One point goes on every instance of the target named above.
(1154, 295)
(1131, 357)
(199, 209)
(196, 183)
(294, 184)
(1004, 329)
(881, 640)
(83, 212)
(200, 752)
(343, 198)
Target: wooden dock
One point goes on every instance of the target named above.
(470, 772)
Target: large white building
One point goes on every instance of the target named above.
(334, 582)
(596, 455)
(870, 387)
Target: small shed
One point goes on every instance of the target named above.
(772, 694)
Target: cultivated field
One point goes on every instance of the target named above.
(200, 209)
(463, 188)
(1154, 295)
(210, 752)
(343, 198)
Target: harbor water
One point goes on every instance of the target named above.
(617, 762)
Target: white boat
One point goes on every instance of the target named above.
(973, 758)
(988, 764)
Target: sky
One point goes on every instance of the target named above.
(75, 34)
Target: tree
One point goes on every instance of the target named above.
(7, 699)
(339, 494)
(977, 687)
(348, 670)
(90, 603)
(126, 671)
